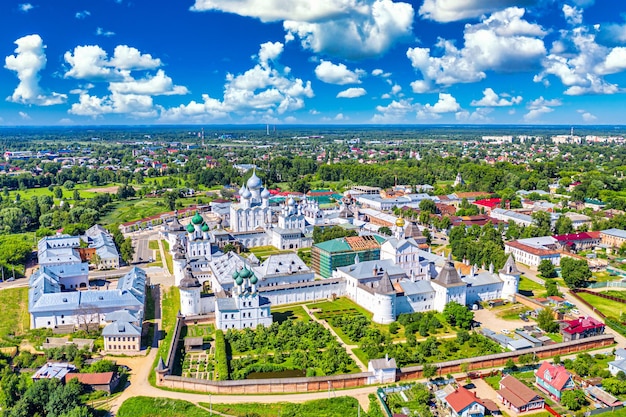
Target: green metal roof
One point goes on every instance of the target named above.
(334, 245)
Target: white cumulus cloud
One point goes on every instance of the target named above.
(539, 107)
(492, 99)
(83, 14)
(260, 93)
(105, 33)
(128, 95)
(28, 61)
(453, 10)
(25, 7)
(395, 112)
(354, 29)
(352, 93)
(338, 74)
(446, 104)
(502, 42)
(580, 62)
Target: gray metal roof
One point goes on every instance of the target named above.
(417, 287)
(121, 328)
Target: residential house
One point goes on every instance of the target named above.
(464, 403)
(574, 242)
(619, 364)
(517, 396)
(553, 379)
(101, 381)
(613, 238)
(581, 328)
(56, 370)
(383, 370)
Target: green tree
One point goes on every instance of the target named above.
(428, 205)
(551, 288)
(563, 226)
(127, 251)
(546, 269)
(542, 222)
(385, 231)
(458, 315)
(76, 195)
(575, 272)
(546, 322)
(58, 192)
(510, 364)
(429, 371)
(573, 399)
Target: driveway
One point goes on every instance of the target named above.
(491, 321)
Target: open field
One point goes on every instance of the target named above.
(16, 321)
(131, 210)
(281, 314)
(608, 307)
(530, 288)
(334, 407)
(86, 191)
(160, 407)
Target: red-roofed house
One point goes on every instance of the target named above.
(102, 381)
(488, 204)
(464, 403)
(581, 328)
(517, 396)
(553, 379)
(578, 241)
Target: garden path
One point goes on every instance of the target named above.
(347, 347)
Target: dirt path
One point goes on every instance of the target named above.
(166, 271)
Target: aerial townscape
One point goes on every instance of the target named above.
(300, 208)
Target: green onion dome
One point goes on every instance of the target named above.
(245, 273)
(190, 228)
(197, 219)
(205, 227)
(239, 280)
(253, 279)
(235, 275)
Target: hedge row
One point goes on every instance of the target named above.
(220, 356)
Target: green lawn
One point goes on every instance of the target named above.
(169, 310)
(135, 209)
(160, 407)
(15, 318)
(334, 407)
(530, 288)
(608, 307)
(200, 330)
(168, 256)
(153, 244)
(511, 311)
(281, 314)
(67, 194)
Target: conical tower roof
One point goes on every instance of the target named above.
(385, 286)
(412, 230)
(189, 281)
(510, 268)
(449, 277)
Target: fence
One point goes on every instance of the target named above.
(608, 284)
(381, 397)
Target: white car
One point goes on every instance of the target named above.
(505, 331)
(575, 311)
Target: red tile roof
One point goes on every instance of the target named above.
(572, 237)
(581, 325)
(461, 398)
(102, 378)
(531, 249)
(488, 202)
(559, 376)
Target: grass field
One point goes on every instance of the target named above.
(168, 257)
(131, 210)
(169, 309)
(334, 407)
(280, 314)
(67, 194)
(262, 252)
(530, 288)
(16, 321)
(608, 307)
(346, 306)
(160, 407)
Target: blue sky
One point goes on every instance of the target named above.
(78, 62)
